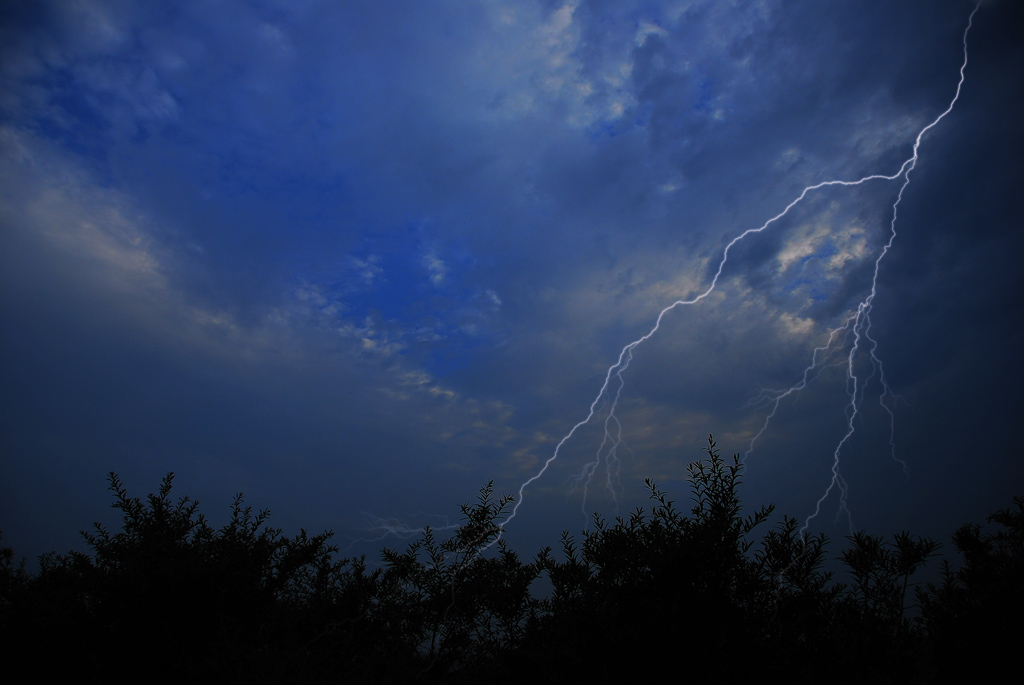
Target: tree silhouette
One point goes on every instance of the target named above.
(462, 610)
(656, 584)
(655, 590)
(975, 616)
(170, 589)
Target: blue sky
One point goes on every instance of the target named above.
(355, 260)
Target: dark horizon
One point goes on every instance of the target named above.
(710, 585)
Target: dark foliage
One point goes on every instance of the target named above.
(169, 596)
(976, 614)
(169, 591)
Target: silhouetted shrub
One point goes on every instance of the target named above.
(171, 595)
(974, 618)
(169, 589)
(462, 611)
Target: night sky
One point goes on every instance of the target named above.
(357, 259)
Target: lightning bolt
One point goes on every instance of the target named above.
(856, 327)
(609, 447)
(384, 528)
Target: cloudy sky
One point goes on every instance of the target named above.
(356, 259)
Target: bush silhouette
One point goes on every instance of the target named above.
(170, 589)
(976, 614)
(651, 584)
(654, 590)
(462, 610)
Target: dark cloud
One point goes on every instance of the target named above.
(365, 258)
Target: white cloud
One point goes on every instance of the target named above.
(494, 299)
(645, 29)
(435, 266)
(804, 243)
(368, 271)
(98, 230)
(796, 326)
(532, 64)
